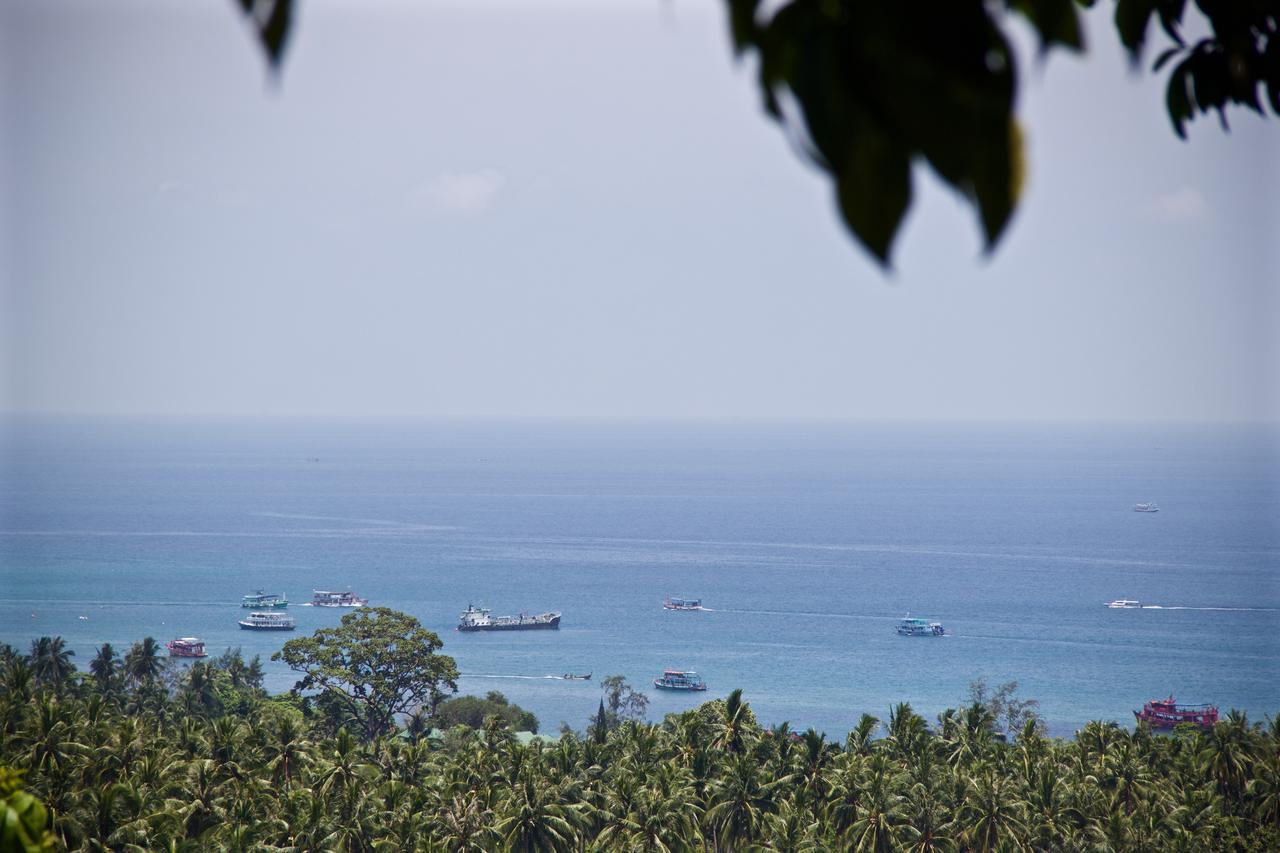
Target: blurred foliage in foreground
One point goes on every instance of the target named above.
(865, 88)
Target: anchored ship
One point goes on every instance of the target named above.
(326, 598)
(478, 619)
(679, 679)
(1166, 713)
(268, 621)
(911, 627)
(186, 647)
(262, 600)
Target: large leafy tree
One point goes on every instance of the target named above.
(867, 87)
(376, 664)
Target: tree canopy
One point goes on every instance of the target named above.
(376, 664)
(867, 88)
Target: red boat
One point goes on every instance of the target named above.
(186, 647)
(1166, 713)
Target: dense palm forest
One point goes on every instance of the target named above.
(138, 754)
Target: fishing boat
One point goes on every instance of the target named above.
(1147, 507)
(263, 600)
(912, 627)
(268, 621)
(327, 598)
(678, 679)
(1166, 714)
(682, 603)
(186, 647)
(569, 676)
(1124, 604)
(478, 619)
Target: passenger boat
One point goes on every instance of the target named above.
(569, 676)
(1166, 714)
(1124, 604)
(677, 679)
(1147, 507)
(262, 600)
(478, 619)
(911, 627)
(186, 647)
(681, 603)
(326, 598)
(268, 621)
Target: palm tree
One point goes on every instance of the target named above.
(533, 817)
(285, 752)
(104, 667)
(992, 815)
(878, 827)
(51, 661)
(143, 662)
(860, 739)
(732, 727)
(739, 803)
(1228, 754)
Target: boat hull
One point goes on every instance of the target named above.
(247, 627)
(684, 688)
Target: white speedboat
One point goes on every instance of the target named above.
(1124, 604)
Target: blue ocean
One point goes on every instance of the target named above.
(807, 543)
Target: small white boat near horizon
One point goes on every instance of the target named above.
(1124, 604)
(1147, 507)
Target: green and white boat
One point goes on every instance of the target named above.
(264, 600)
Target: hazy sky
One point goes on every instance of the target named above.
(579, 209)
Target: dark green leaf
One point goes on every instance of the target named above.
(1132, 17)
(1177, 100)
(742, 23)
(1165, 56)
(1056, 22)
(873, 186)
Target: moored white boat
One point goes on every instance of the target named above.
(268, 621)
(913, 627)
(679, 679)
(330, 598)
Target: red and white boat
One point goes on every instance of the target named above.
(1166, 714)
(186, 647)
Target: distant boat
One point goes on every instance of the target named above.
(262, 600)
(1124, 604)
(478, 619)
(268, 621)
(682, 604)
(678, 679)
(911, 627)
(1148, 507)
(186, 647)
(1166, 714)
(326, 598)
(569, 676)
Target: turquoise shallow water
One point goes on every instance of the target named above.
(806, 541)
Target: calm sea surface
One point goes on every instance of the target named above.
(807, 543)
